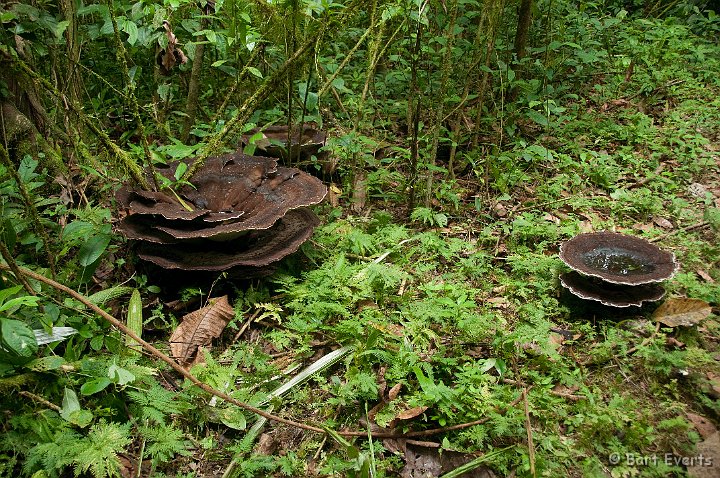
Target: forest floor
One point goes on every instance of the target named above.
(443, 334)
(458, 317)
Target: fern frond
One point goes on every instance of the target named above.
(97, 453)
(156, 403)
(164, 442)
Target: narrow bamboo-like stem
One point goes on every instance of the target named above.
(30, 208)
(438, 112)
(370, 71)
(132, 166)
(122, 56)
(528, 429)
(490, 20)
(194, 86)
(241, 77)
(414, 118)
(73, 79)
(292, 44)
(358, 179)
(336, 95)
(271, 82)
(343, 64)
(301, 127)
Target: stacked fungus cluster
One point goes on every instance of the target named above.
(616, 269)
(241, 213)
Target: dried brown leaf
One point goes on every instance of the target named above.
(704, 426)
(662, 222)
(682, 311)
(334, 195)
(395, 391)
(411, 413)
(199, 328)
(705, 276)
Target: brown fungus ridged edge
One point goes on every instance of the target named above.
(612, 295)
(246, 212)
(616, 269)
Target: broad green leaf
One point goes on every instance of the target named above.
(134, 320)
(95, 386)
(76, 230)
(106, 295)
(537, 117)
(45, 364)
(120, 376)
(255, 71)
(5, 293)
(93, 249)
(132, 30)
(70, 403)
(233, 418)
(97, 342)
(8, 234)
(17, 338)
(180, 170)
(81, 418)
(60, 28)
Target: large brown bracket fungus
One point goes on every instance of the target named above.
(616, 269)
(243, 213)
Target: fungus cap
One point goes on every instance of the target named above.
(618, 258)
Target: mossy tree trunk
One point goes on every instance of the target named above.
(439, 111)
(194, 86)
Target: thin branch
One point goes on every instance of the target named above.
(40, 399)
(345, 61)
(122, 56)
(245, 111)
(241, 77)
(699, 225)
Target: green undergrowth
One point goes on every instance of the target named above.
(449, 312)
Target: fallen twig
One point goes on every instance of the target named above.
(557, 393)
(528, 428)
(699, 225)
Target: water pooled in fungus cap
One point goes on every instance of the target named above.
(618, 258)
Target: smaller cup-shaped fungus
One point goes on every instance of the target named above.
(240, 212)
(306, 141)
(616, 269)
